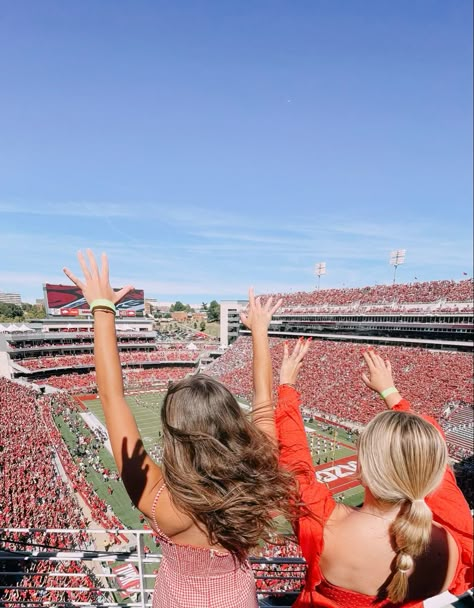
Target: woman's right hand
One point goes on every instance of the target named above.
(379, 376)
(96, 283)
(292, 363)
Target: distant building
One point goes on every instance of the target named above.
(180, 315)
(10, 298)
(151, 304)
(39, 302)
(230, 320)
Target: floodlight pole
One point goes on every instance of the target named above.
(319, 270)
(397, 257)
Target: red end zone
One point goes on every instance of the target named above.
(339, 476)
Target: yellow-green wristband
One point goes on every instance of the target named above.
(388, 391)
(103, 303)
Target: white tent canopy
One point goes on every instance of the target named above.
(25, 328)
(11, 328)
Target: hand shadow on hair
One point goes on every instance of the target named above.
(134, 470)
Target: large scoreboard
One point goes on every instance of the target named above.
(69, 301)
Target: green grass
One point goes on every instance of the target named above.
(146, 409)
(353, 497)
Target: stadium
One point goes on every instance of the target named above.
(69, 534)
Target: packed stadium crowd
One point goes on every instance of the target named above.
(155, 356)
(33, 494)
(408, 293)
(331, 384)
(171, 354)
(75, 383)
(290, 576)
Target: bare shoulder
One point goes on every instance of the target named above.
(167, 516)
(341, 512)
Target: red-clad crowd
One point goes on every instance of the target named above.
(149, 378)
(290, 577)
(33, 494)
(133, 378)
(171, 354)
(331, 385)
(408, 293)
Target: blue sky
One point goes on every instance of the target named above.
(209, 146)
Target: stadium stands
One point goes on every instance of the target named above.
(32, 492)
(331, 386)
(162, 355)
(410, 293)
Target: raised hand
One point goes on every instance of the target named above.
(379, 375)
(293, 362)
(258, 315)
(96, 284)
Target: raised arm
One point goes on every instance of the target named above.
(257, 319)
(447, 502)
(139, 473)
(295, 454)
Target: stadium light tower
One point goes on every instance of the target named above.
(397, 257)
(319, 270)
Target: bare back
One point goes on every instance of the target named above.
(358, 555)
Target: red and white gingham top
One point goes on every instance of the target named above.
(197, 577)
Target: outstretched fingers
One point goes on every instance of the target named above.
(104, 273)
(82, 263)
(93, 264)
(276, 306)
(73, 278)
(123, 292)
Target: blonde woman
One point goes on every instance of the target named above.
(411, 539)
(213, 498)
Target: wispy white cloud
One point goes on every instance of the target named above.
(218, 253)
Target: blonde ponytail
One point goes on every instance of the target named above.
(402, 459)
(411, 533)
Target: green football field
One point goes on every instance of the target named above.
(146, 410)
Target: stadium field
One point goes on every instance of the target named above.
(146, 409)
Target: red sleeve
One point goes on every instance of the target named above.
(295, 456)
(451, 510)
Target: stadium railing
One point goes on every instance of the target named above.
(111, 589)
(132, 588)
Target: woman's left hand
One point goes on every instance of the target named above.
(292, 363)
(96, 283)
(258, 315)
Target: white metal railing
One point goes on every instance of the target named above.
(44, 575)
(81, 575)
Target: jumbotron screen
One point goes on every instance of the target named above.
(68, 301)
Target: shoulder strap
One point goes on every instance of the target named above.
(158, 530)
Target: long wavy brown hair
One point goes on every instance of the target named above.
(219, 468)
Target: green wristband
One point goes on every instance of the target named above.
(388, 391)
(103, 303)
